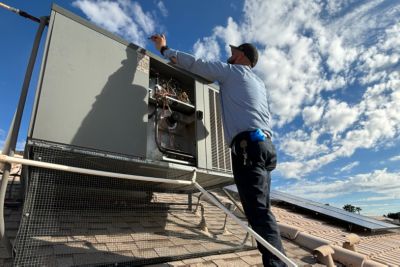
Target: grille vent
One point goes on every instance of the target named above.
(220, 152)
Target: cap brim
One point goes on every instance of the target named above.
(235, 47)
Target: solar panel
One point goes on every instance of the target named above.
(333, 212)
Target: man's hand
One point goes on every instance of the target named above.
(159, 41)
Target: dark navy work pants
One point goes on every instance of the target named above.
(253, 180)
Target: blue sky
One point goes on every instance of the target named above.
(332, 69)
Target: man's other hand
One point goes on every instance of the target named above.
(159, 41)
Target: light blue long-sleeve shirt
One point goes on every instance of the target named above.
(243, 95)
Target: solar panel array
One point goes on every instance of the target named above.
(333, 212)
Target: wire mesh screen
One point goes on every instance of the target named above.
(73, 219)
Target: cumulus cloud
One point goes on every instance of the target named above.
(339, 57)
(377, 182)
(162, 8)
(122, 17)
(379, 124)
(312, 114)
(339, 116)
(300, 145)
(379, 60)
(395, 158)
(207, 49)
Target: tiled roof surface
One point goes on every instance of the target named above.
(104, 247)
(142, 236)
(380, 247)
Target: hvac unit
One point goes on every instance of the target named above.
(101, 96)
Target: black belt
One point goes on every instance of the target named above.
(246, 135)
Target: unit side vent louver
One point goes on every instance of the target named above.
(220, 153)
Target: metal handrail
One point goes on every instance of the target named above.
(267, 245)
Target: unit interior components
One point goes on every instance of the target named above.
(166, 81)
(172, 135)
(171, 114)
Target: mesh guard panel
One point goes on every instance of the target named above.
(73, 219)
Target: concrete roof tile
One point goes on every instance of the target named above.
(234, 262)
(171, 251)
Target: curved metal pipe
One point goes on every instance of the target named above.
(11, 141)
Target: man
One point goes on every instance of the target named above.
(246, 120)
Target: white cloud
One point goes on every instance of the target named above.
(339, 116)
(377, 198)
(378, 123)
(162, 8)
(395, 158)
(122, 17)
(230, 34)
(339, 57)
(300, 145)
(144, 19)
(2, 138)
(312, 114)
(377, 182)
(350, 166)
(207, 49)
(381, 59)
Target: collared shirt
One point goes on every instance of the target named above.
(243, 94)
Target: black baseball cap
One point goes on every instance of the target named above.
(250, 51)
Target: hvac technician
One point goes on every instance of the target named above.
(246, 119)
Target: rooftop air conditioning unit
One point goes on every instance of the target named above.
(102, 96)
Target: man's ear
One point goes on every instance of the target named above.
(242, 55)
